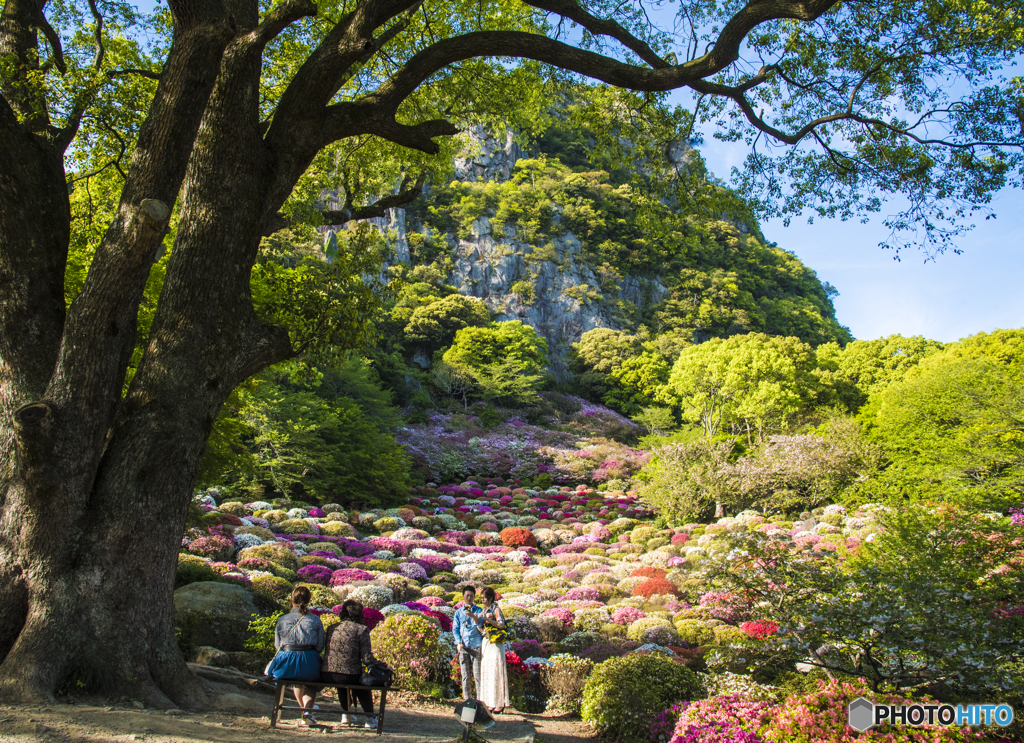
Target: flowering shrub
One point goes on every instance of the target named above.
(315, 574)
(375, 597)
(664, 724)
(723, 605)
(623, 695)
(273, 587)
(518, 537)
(723, 719)
(626, 615)
(583, 593)
(434, 564)
(820, 717)
(192, 569)
(349, 575)
(649, 572)
(216, 548)
(637, 629)
(656, 586)
(565, 616)
(412, 570)
(276, 553)
(759, 630)
(410, 645)
(527, 649)
(372, 617)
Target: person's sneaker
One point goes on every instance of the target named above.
(349, 719)
(371, 723)
(308, 719)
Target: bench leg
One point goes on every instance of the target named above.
(383, 704)
(278, 702)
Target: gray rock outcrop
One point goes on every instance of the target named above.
(213, 614)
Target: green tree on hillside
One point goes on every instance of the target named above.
(324, 439)
(754, 382)
(865, 367)
(505, 359)
(954, 423)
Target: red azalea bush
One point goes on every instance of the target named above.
(656, 586)
(442, 619)
(759, 630)
(678, 540)
(515, 536)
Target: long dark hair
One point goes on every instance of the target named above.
(352, 610)
(300, 599)
(488, 593)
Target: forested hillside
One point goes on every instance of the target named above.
(532, 270)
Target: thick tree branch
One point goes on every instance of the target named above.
(97, 61)
(53, 39)
(519, 44)
(99, 333)
(602, 27)
(278, 19)
(322, 74)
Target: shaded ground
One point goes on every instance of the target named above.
(242, 716)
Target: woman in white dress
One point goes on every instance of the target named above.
(493, 691)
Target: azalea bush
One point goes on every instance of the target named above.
(623, 695)
(410, 645)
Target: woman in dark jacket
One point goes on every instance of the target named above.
(348, 648)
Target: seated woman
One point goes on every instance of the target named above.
(348, 648)
(299, 638)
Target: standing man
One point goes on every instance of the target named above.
(468, 640)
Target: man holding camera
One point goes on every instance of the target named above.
(468, 640)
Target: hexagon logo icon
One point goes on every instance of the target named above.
(861, 714)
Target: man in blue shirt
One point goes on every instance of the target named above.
(468, 640)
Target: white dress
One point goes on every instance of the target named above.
(493, 690)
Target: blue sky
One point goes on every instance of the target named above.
(948, 298)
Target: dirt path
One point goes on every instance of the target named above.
(243, 717)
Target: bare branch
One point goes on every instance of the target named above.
(407, 194)
(113, 74)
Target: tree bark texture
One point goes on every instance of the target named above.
(94, 481)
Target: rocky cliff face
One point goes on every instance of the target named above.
(549, 287)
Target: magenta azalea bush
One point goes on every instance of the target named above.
(349, 575)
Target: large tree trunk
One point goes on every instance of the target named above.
(93, 490)
(94, 482)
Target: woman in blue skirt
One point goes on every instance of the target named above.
(299, 639)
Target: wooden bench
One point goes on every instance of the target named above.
(283, 684)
